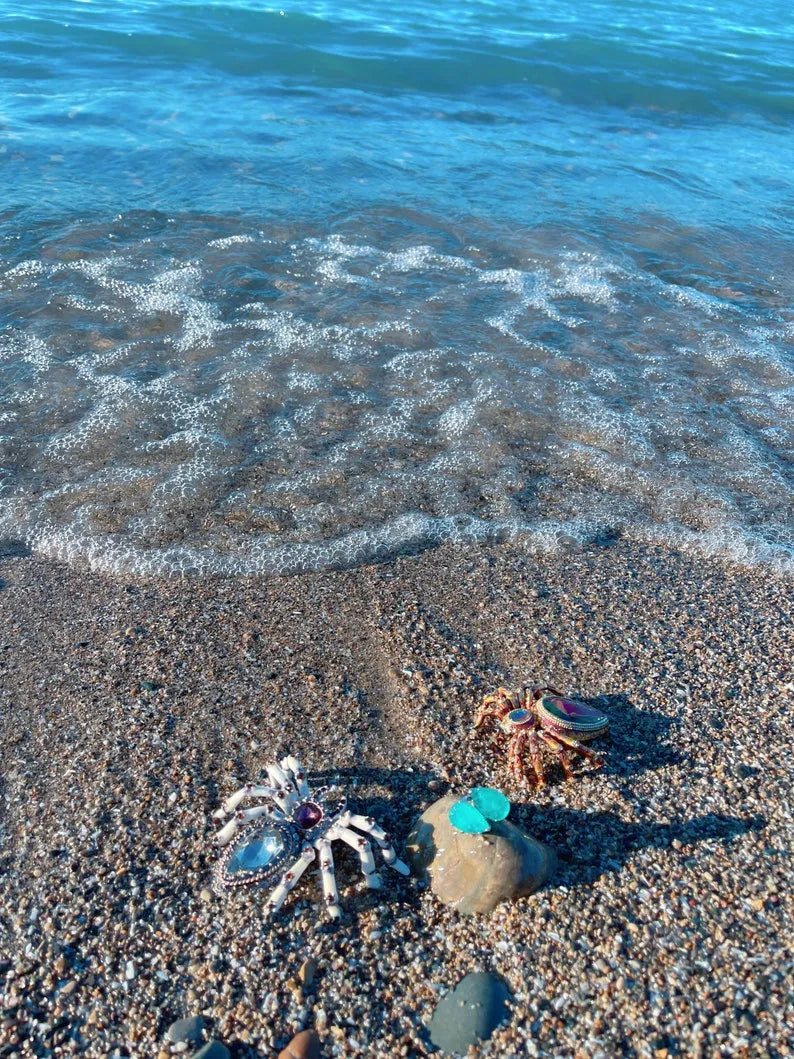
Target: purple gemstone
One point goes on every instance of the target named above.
(307, 816)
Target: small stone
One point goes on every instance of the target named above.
(190, 1030)
(306, 972)
(469, 1013)
(69, 988)
(306, 1045)
(206, 894)
(475, 872)
(212, 1050)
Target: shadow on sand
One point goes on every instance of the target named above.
(638, 740)
(587, 843)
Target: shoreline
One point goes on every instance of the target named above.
(131, 707)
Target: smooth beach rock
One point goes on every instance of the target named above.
(212, 1050)
(305, 1045)
(190, 1030)
(474, 873)
(469, 1013)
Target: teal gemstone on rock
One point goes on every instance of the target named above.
(491, 802)
(257, 853)
(464, 817)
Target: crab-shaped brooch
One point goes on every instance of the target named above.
(535, 716)
(298, 825)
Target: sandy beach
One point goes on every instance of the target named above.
(130, 708)
(356, 363)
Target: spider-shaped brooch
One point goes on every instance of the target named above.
(298, 825)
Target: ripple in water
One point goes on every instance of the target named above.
(205, 397)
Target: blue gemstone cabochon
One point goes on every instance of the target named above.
(464, 817)
(257, 852)
(519, 716)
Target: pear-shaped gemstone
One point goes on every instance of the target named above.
(491, 802)
(464, 817)
(256, 852)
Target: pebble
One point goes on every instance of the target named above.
(212, 1050)
(189, 1029)
(475, 873)
(469, 1013)
(307, 971)
(305, 1045)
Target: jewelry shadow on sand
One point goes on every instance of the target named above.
(589, 844)
(637, 741)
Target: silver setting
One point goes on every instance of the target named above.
(279, 803)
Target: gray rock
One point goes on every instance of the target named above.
(474, 873)
(469, 1013)
(189, 1030)
(212, 1050)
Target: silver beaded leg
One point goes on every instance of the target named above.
(368, 825)
(285, 789)
(250, 790)
(292, 765)
(289, 880)
(329, 881)
(241, 818)
(364, 850)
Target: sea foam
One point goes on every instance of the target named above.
(333, 401)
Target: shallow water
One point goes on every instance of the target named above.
(286, 290)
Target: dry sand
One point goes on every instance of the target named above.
(129, 708)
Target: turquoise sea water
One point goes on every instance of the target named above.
(290, 288)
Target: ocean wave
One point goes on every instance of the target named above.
(332, 400)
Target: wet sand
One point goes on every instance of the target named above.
(130, 708)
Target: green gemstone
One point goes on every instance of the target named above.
(464, 817)
(491, 803)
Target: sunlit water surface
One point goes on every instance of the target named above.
(291, 289)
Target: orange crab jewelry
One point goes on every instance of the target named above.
(535, 716)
